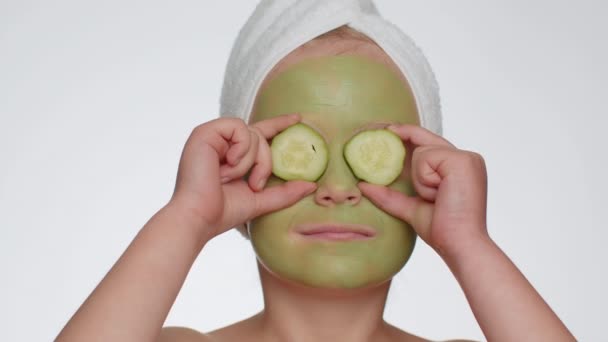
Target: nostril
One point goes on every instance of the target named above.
(327, 196)
(354, 200)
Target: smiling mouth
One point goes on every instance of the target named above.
(336, 232)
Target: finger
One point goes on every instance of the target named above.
(389, 200)
(228, 136)
(240, 143)
(262, 167)
(281, 196)
(230, 172)
(425, 176)
(418, 135)
(431, 165)
(271, 127)
(412, 210)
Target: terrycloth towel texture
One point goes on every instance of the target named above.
(278, 27)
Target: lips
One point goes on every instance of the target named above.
(330, 231)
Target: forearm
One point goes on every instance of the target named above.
(505, 304)
(133, 300)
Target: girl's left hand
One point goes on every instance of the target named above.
(450, 209)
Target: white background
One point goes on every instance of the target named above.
(98, 97)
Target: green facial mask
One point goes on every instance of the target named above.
(338, 96)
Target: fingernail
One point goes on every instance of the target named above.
(260, 184)
(225, 180)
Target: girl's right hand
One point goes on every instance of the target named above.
(210, 187)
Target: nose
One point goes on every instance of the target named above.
(337, 186)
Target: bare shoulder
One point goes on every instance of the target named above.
(241, 330)
(238, 331)
(396, 334)
(182, 334)
(247, 329)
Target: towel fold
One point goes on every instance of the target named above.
(278, 27)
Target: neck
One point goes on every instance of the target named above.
(293, 312)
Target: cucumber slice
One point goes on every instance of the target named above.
(375, 156)
(299, 152)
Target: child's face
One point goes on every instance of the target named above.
(338, 96)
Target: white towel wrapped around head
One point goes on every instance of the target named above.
(277, 27)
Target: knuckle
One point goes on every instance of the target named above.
(257, 132)
(233, 119)
(421, 153)
(255, 128)
(240, 122)
(418, 151)
(201, 127)
(254, 131)
(199, 131)
(476, 157)
(474, 160)
(237, 123)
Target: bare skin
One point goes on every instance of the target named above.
(133, 300)
(298, 313)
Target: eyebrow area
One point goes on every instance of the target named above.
(364, 127)
(373, 125)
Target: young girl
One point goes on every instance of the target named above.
(327, 250)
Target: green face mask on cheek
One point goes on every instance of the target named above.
(338, 96)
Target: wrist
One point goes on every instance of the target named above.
(460, 250)
(188, 220)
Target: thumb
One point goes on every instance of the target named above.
(413, 210)
(281, 196)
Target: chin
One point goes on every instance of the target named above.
(334, 275)
(308, 256)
